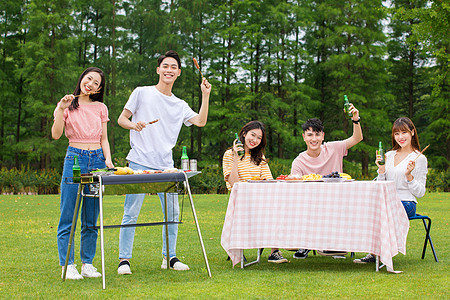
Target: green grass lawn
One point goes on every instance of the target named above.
(29, 265)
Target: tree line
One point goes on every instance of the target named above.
(280, 62)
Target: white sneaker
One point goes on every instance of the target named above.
(175, 264)
(72, 272)
(124, 268)
(88, 270)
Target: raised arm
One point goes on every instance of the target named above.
(202, 117)
(58, 124)
(357, 131)
(230, 165)
(416, 176)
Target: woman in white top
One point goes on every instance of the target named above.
(402, 167)
(409, 174)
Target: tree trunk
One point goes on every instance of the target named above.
(112, 126)
(365, 163)
(19, 121)
(411, 85)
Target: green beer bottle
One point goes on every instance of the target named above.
(347, 106)
(184, 160)
(76, 171)
(381, 152)
(239, 144)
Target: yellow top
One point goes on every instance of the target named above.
(246, 168)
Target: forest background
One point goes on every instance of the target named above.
(281, 62)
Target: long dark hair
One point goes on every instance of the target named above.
(256, 154)
(94, 97)
(405, 124)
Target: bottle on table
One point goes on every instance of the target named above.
(347, 106)
(239, 144)
(76, 171)
(381, 152)
(184, 160)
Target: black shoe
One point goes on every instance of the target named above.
(332, 253)
(369, 258)
(301, 253)
(277, 258)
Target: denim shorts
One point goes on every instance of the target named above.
(410, 207)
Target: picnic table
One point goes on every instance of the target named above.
(357, 216)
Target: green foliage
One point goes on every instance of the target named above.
(420, 36)
(438, 180)
(210, 181)
(280, 62)
(27, 181)
(280, 167)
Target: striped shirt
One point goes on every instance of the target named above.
(246, 168)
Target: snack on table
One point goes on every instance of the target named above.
(293, 177)
(152, 171)
(171, 170)
(332, 175)
(129, 170)
(312, 177)
(124, 171)
(345, 175)
(282, 177)
(256, 178)
(121, 171)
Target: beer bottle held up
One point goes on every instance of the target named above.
(76, 171)
(239, 144)
(381, 152)
(184, 160)
(347, 106)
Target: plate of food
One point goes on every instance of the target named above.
(333, 177)
(293, 178)
(261, 181)
(336, 179)
(312, 178)
(256, 179)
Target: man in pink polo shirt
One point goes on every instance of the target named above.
(324, 158)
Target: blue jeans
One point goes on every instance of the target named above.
(88, 160)
(132, 207)
(410, 208)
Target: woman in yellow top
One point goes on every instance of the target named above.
(252, 164)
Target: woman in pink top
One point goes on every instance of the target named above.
(83, 117)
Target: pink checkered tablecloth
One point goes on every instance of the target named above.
(358, 216)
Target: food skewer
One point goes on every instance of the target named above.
(197, 66)
(151, 122)
(421, 152)
(93, 93)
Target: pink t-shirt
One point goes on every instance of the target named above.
(84, 125)
(329, 160)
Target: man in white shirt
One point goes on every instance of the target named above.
(151, 148)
